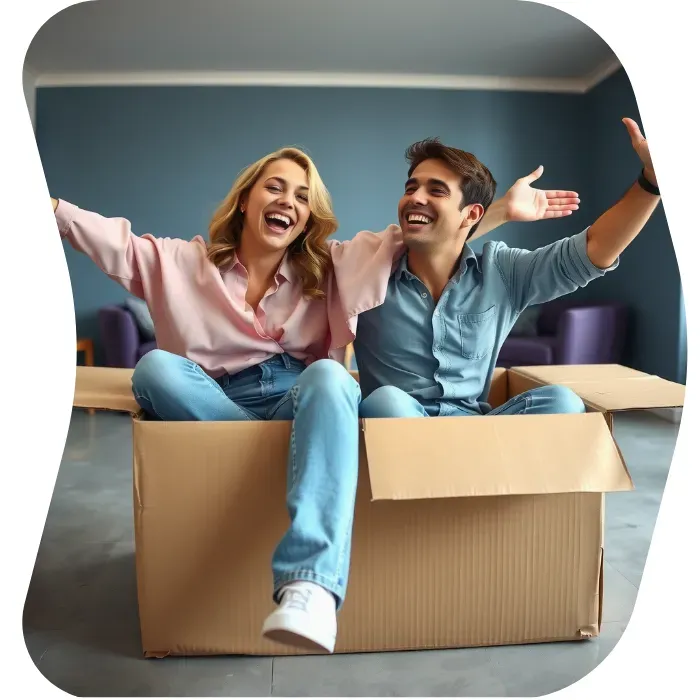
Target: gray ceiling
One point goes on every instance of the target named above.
(507, 38)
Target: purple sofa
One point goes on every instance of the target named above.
(122, 342)
(570, 333)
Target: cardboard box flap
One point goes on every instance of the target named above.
(418, 458)
(610, 387)
(105, 387)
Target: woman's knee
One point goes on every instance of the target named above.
(155, 369)
(328, 376)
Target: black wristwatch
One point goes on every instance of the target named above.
(646, 185)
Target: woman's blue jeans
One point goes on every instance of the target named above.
(322, 401)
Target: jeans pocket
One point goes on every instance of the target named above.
(478, 333)
(282, 379)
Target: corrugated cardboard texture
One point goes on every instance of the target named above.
(207, 515)
(610, 387)
(414, 458)
(427, 571)
(105, 387)
(436, 573)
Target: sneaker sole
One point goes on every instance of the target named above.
(293, 639)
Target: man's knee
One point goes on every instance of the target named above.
(564, 400)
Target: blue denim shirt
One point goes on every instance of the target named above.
(444, 353)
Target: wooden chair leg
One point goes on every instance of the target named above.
(86, 346)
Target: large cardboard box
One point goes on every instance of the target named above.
(468, 532)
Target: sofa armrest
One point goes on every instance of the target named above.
(120, 336)
(589, 335)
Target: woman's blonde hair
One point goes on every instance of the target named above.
(308, 254)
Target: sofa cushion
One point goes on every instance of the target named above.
(528, 351)
(140, 311)
(526, 324)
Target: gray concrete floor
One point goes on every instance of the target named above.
(81, 624)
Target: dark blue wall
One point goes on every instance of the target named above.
(164, 157)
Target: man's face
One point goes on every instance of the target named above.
(430, 213)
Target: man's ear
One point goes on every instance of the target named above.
(471, 215)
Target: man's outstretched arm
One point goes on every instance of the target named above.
(535, 277)
(621, 224)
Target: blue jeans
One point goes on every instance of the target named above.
(391, 402)
(322, 401)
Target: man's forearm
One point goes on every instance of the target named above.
(620, 225)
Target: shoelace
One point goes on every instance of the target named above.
(298, 599)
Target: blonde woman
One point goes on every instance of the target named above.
(242, 327)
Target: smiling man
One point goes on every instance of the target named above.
(430, 346)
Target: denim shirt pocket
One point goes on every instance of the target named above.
(478, 333)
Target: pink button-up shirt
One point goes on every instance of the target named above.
(199, 311)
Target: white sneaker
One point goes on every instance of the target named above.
(306, 618)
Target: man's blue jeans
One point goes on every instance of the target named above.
(322, 401)
(391, 402)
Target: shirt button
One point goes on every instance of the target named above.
(424, 295)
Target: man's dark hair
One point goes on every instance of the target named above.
(478, 185)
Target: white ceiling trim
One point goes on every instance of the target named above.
(603, 72)
(321, 79)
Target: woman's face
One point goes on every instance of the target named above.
(276, 209)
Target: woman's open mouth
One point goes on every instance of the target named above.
(279, 223)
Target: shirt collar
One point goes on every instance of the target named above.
(467, 255)
(402, 268)
(234, 262)
(284, 270)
